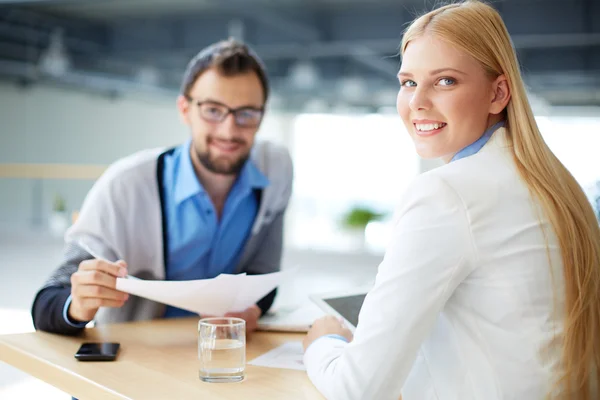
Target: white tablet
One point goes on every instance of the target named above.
(346, 304)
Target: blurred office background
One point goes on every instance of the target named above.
(83, 83)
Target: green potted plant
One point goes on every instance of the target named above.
(356, 220)
(359, 217)
(59, 220)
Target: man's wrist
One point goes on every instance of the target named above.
(68, 315)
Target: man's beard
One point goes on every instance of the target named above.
(221, 165)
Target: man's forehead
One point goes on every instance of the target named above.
(235, 90)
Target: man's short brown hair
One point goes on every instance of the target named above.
(230, 57)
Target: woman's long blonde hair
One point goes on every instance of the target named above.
(478, 29)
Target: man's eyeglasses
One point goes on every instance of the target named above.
(212, 111)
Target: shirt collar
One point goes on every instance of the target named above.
(186, 181)
(251, 177)
(479, 143)
(188, 185)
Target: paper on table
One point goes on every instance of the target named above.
(290, 319)
(288, 355)
(217, 296)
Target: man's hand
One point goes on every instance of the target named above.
(94, 286)
(250, 315)
(327, 325)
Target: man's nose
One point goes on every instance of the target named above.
(227, 129)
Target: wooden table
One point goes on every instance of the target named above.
(157, 360)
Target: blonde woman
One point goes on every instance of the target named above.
(490, 286)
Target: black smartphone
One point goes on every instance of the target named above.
(97, 352)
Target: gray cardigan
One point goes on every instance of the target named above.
(121, 218)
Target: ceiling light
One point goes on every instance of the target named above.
(304, 75)
(54, 60)
(148, 75)
(352, 88)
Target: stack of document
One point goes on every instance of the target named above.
(216, 296)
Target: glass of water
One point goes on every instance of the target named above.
(222, 349)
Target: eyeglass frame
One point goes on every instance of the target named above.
(230, 110)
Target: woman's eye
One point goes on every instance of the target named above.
(408, 83)
(446, 81)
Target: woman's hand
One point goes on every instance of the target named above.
(327, 325)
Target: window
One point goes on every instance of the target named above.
(341, 162)
(576, 143)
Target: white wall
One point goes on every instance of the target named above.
(46, 125)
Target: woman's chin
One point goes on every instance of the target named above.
(428, 153)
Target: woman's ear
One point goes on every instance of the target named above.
(501, 95)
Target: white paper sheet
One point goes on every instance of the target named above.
(217, 296)
(290, 319)
(289, 355)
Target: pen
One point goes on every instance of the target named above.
(85, 247)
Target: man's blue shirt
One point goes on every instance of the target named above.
(200, 245)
